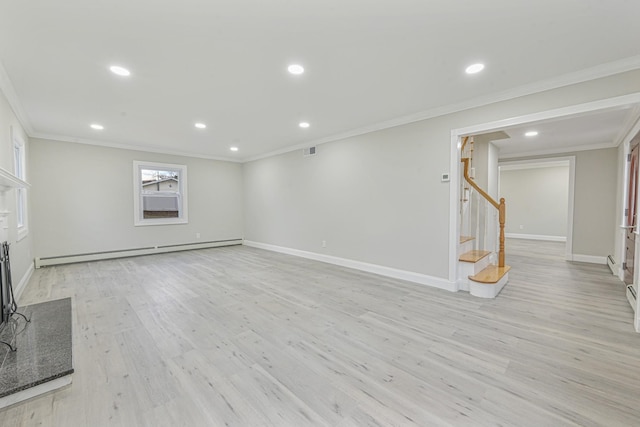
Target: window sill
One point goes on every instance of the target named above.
(146, 222)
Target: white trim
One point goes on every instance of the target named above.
(22, 233)
(132, 147)
(600, 71)
(23, 282)
(381, 270)
(454, 208)
(591, 259)
(532, 164)
(32, 392)
(572, 110)
(487, 290)
(20, 165)
(9, 181)
(571, 206)
(456, 134)
(125, 253)
(6, 87)
(562, 150)
(182, 194)
(536, 237)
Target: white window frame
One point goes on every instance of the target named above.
(138, 219)
(19, 165)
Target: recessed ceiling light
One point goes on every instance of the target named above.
(233, 148)
(531, 133)
(96, 126)
(121, 71)
(200, 125)
(474, 68)
(296, 69)
(304, 125)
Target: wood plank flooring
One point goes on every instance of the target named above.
(239, 336)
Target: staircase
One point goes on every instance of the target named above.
(481, 268)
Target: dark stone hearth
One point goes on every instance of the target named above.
(43, 347)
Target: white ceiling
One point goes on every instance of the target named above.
(224, 63)
(601, 129)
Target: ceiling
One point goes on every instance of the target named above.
(224, 63)
(601, 129)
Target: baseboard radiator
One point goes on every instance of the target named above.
(123, 253)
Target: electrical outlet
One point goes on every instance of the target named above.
(324, 243)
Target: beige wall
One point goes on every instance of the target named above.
(595, 201)
(83, 200)
(538, 200)
(21, 251)
(594, 220)
(378, 197)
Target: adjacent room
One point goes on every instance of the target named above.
(251, 213)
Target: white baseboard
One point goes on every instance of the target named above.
(23, 282)
(409, 276)
(536, 237)
(588, 258)
(97, 256)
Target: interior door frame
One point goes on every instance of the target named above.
(635, 130)
(456, 142)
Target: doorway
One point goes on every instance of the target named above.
(541, 200)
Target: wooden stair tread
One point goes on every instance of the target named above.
(491, 274)
(473, 256)
(466, 238)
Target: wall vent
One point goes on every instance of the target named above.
(310, 151)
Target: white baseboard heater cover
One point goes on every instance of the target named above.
(123, 253)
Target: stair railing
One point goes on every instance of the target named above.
(500, 206)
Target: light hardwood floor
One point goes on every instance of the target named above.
(244, 337)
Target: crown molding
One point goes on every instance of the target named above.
(600, 71)
(133, 147)
(564, 150)
(627, 130)
(533, 164)
(6, 86)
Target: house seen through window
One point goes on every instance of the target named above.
(160, 198)
(160, 191)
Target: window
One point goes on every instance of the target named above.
(21, 193)
(160, 193)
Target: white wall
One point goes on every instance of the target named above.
(82, 200)
(378, 198)
(21, 251)
(537, 200)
